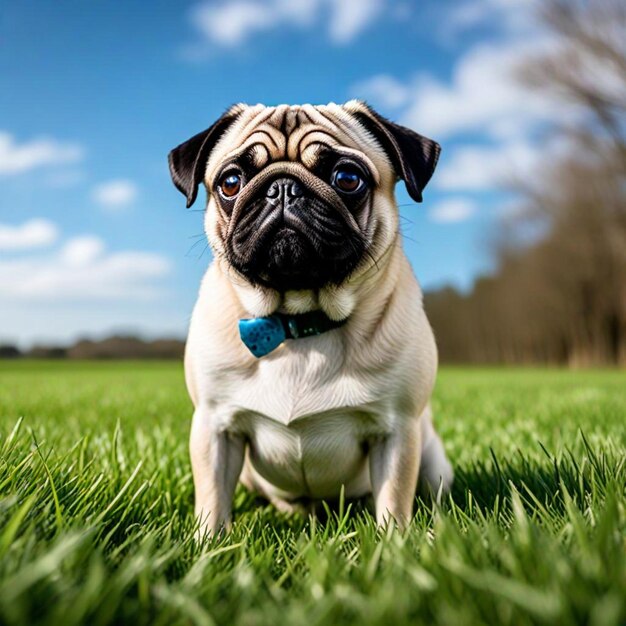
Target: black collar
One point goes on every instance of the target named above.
(307, 324)
(261, 335)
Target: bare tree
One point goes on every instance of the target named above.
(563, 298)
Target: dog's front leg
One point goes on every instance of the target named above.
(394, 466)
(216, 462)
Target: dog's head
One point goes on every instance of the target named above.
(300, 197)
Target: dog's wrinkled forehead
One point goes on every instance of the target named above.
(264, 135)
(299, 133)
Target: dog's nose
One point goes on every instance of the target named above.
(285, 188)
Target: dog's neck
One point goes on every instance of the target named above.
(262, 335)
(338, 302)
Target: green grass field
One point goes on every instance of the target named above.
(96, 516)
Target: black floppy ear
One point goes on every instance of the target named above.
(413, 156)
(188, 161)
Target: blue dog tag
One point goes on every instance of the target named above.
(262, 334)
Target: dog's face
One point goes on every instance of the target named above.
(301, 197)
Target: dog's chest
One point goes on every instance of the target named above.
(301, 382)
(308, 422)
(312, 456)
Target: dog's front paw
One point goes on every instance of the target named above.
(207, 529)
(436, 474)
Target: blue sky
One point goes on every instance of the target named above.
(93, 236)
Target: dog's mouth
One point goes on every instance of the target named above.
(287, 258)
(294, 243)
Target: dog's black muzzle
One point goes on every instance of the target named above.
(287, 237)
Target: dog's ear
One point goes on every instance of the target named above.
(188, 161)
(413, 156)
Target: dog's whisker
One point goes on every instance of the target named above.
(193, 247)
(204, 250)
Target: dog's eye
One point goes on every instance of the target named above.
(347, 180)
(230, 185)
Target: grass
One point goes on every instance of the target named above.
(96, 511)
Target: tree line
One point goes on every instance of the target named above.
(560, 299)
(114, 347)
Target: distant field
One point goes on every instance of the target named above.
(96, 511)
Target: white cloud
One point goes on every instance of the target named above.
(382, 90)
(452, 210)
(83, 271)
(347, 21)
(32, 234)
(115, 194)
(81, 251)
(480, 168)
(232, 23)
(464, 16)
(482, 95)
(18, 158)
(512, 16)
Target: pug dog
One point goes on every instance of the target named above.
(310, 361)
